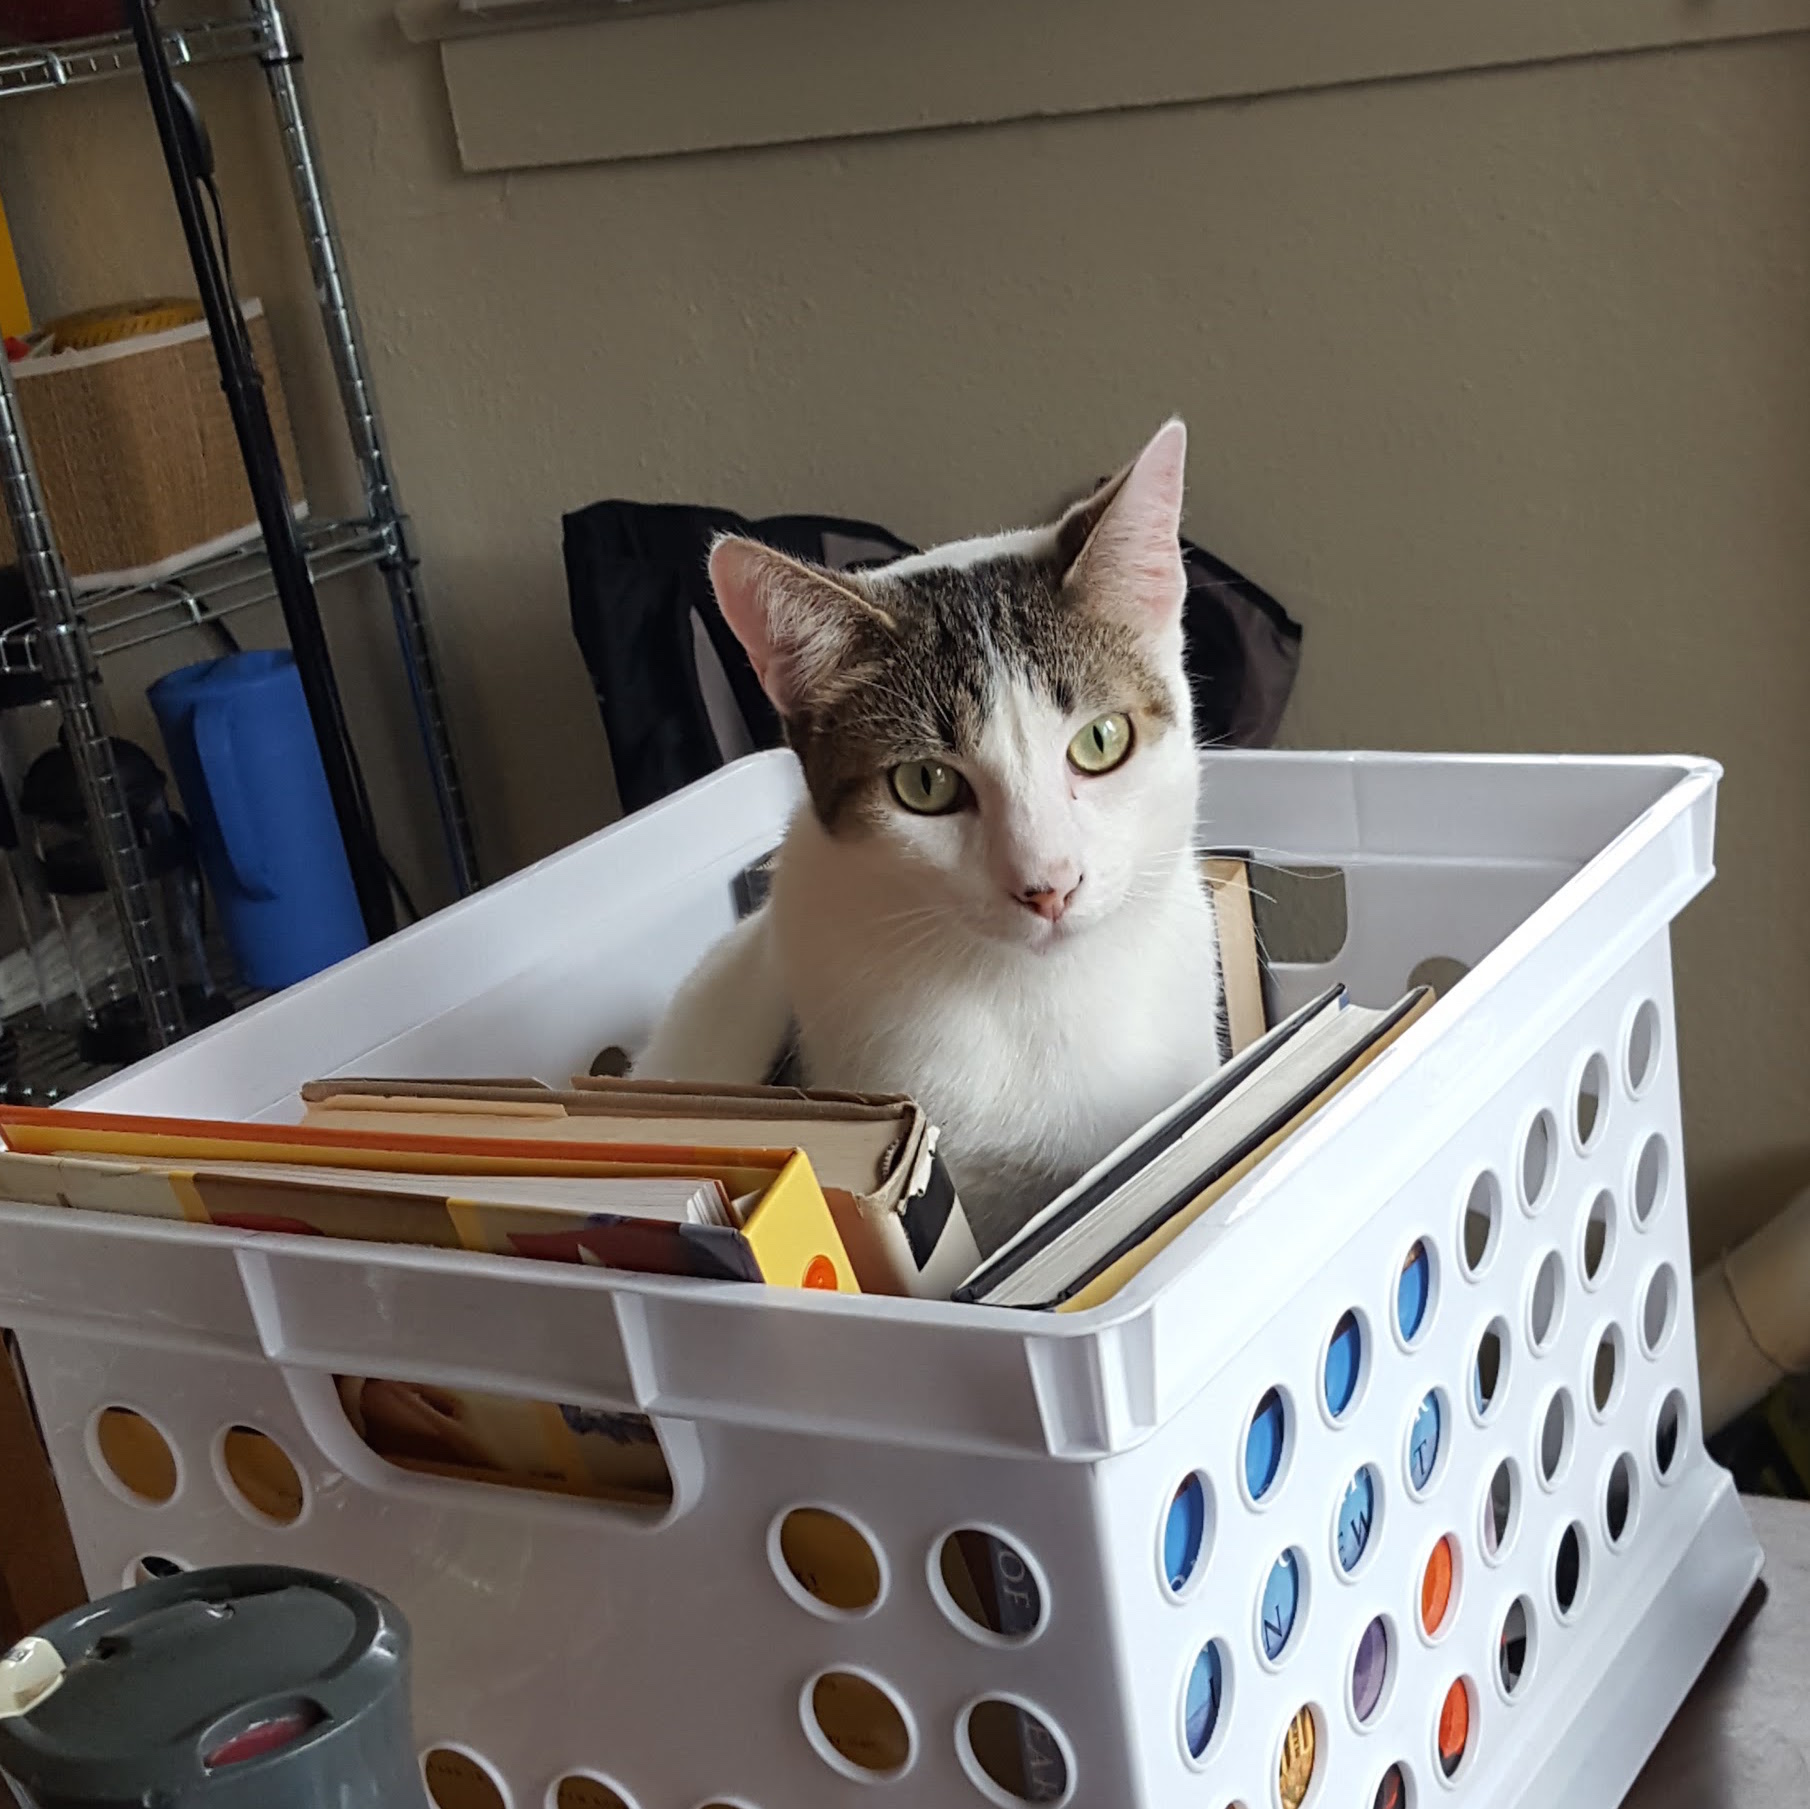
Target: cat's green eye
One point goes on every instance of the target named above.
(927, 786)
(1102, 745)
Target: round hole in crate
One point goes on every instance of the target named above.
(133, 1457)
(1414, 1292)
(458, 1779)
(825, 1562)
(1370, 1672)
(153, 1567)
(1440, 972)
(1299, 1758)
(988, 1586)
(1599, 1238)
(1557, 1426)
(856, 1726)
(1606, 1372)
(1266, 1444)
(1012, 1754)
(1644, 1035)
(1426, 1442)
(1570, 1571)
(1355, 1526)
(1546, 1303)
(1539, 1160)
(1652, 1168)
(1392, 1790)
(1343, 1368)
(1481, 1224)
(1187, 1531)
(258, 1475)
(1203, 1702)
(1489, 1370)
(1452, 1737)
(1515, 1647)
(1439, 1580)
(1281, 1608)
(581, 1790)
(1590, 1106)
(1668, 1436)
(1621, 1501)
(1501, 1511)
(1659, 1309)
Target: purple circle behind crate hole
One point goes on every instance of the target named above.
(1370, 1670)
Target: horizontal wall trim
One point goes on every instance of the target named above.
(793, 71)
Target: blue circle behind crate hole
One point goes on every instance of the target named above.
(1357, 1518)
(1414, 1291)
(1203, 1700)
(1185, 1529)
(1281, 1605)
(1344, 1364)
(1425, 1437)
(1265, 1444)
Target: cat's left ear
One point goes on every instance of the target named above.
(1121, 548)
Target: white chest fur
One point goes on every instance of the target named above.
(1033, 1063)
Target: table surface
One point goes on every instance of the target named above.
(1743, 1735)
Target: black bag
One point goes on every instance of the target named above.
(679, 696)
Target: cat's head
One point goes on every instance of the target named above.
(1000, 726)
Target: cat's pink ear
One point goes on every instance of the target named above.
(795, 622)
(1123, 544)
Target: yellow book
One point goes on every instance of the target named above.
(15, 316)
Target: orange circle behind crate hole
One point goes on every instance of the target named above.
(820, 1273)
(1436, 1586)
(1454, 1728)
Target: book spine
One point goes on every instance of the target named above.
(1017, 1607)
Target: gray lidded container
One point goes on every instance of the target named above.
(247, 1687)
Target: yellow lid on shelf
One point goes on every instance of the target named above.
(81, 332)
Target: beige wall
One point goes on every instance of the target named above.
(1501, 381)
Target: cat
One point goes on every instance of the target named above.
(990, 899)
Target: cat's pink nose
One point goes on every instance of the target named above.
(1049, 902)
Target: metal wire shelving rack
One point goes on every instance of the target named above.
(72, 629)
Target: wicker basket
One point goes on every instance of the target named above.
(136, 453)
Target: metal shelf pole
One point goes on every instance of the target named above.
(66, 663)
(282, 60)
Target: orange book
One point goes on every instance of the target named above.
(787, 1238)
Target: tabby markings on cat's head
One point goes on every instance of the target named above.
(1003, 725)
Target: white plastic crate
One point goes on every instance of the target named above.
(676, 1658)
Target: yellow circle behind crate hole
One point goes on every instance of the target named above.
(830, 1558)
(138, 1455)
(1300, 1749)
(262, 1473)
(459, 1780)
(581, 1792)
(860, 1722)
